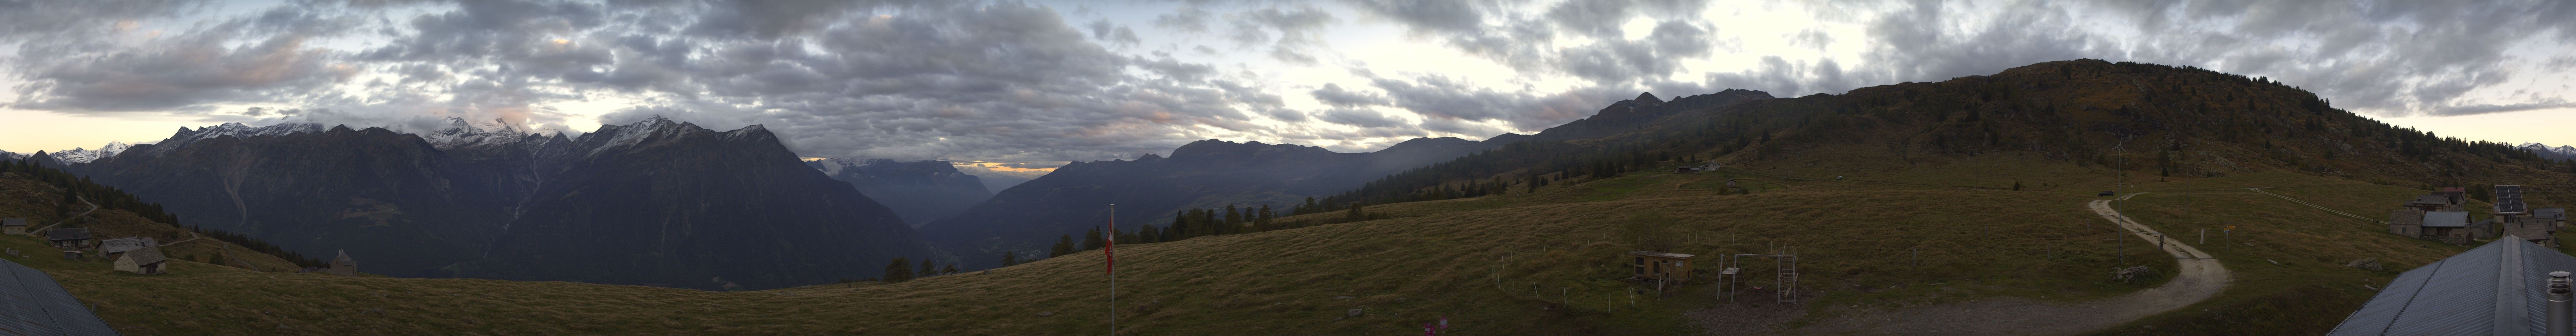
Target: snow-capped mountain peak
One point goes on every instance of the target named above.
(2547, 152)
(238, 130)
(83, 155)
(635, 134)
(460, 133)
(2535, 146)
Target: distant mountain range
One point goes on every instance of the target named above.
(1209, 173)
(919, 191)
(2553, 153)
(656, 202)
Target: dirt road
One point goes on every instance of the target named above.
(2201, 277)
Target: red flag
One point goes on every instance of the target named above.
(1113, 241)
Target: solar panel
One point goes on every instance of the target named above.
(2509, 200)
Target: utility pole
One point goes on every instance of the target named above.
(2119, 219)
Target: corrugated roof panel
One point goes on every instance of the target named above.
(2538, 261)
(2374, 317)
(2462, 295)
(42, 307)
(2457, 300)
(2446, 219)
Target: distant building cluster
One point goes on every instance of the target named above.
(140, 255)
(2443, 216)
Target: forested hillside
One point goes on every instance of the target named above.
(2160, 120)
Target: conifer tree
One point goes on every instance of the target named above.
(899, 270)
(1092, 240)
(928, 268)
(1063, 246)
(951, 269)
(1009, 259)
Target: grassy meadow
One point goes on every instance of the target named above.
(1549, 262)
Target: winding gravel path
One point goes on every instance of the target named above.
(2201, 278)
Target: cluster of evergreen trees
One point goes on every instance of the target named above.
(77, 188)
(900, 270)
(1186, 224)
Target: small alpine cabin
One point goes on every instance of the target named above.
(1652, 265)
(15, 226)
(72, 238)
(343, 266)
(147, 261)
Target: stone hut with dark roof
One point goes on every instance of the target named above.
(2449, 227)
(111, 248)
(15, 226)
(72, 238)
(2408, 223)
(2535, 229)
(147, 260)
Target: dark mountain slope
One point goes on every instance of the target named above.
(1209, 173)
(1632, 115)
(406, 208)
(656, 202)
(919, 191)
(671, 204)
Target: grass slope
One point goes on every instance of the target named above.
(1544, 262)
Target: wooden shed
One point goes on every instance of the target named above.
(1650, 265)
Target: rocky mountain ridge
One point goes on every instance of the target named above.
(526, 207)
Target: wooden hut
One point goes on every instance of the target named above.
(15, 226)
(1652, 266)
(147, 260)
(343, 266)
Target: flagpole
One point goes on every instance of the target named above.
(1112, 262)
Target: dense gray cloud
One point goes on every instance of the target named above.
(2383, 57)
(1333, 94)
(177, 73)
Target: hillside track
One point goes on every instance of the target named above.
(2201, 277)
(40, 232)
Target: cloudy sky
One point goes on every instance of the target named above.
(1031, 85)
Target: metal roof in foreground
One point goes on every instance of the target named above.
(2496, 289)
(31, 304)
